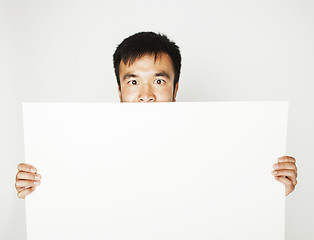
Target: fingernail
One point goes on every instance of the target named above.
(36, 183)
(37, 177)
(276, 166)
(33, 170)
(274, 172)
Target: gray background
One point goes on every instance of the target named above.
(61, 51)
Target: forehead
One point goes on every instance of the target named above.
(147, 63)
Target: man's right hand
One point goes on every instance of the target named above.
(26, 179)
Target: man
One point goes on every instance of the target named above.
(147, 67)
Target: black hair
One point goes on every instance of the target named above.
(146, 43)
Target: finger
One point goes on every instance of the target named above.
(26, 183)
(289, 187)
(26, 168)
(285, 165)
(19, 188)
(28, 176)
(291, 174)
(25, 192)
(284, 172)
(286, 159)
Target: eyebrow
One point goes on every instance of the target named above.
(129, 75)
(162, 74)
(157, 74)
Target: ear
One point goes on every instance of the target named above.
(120, 95)
(175, 92)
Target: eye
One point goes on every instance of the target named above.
(132, 81)
(159, 81)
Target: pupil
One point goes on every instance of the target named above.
(133, 82)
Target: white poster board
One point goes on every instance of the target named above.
(166, 170)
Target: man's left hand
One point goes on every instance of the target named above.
(286, 172)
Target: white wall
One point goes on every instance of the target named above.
(61, 51)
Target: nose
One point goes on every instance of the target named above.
(146, 94)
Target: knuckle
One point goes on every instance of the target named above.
(282, 165)
(37, 176)
(19, 175)
(281, 172)
(35, 183)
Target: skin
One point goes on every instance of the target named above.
(149, 81)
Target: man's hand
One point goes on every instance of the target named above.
(26, 179)
(286, 172)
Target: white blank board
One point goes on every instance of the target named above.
(166, 170)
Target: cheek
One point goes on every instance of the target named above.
(164, 94)
(129, 94)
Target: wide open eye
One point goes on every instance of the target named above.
(133, 82)
(159, 81)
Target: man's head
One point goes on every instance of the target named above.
(147, 67)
